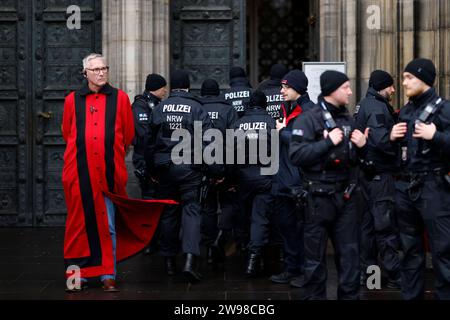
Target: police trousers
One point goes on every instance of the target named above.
(424, 208)
(180, 183)
(329, 216)
(379, 231)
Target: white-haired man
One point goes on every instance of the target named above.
(102, 226)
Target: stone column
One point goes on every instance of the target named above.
(338, 35)
(433, 36)
(377, 45)
(135, 43)
(330, 31)
(444, 74)
(349, 53)
(406, 42)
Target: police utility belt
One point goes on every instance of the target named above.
(421, 175)
(416, 180)
(320, 188)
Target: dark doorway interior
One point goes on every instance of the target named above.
(278, 31)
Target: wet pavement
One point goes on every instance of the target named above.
(31, 267)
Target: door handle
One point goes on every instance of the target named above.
(45, 115)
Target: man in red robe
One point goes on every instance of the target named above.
(102, 226)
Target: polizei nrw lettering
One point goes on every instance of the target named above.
(177, 108)
(275, 98)
(214, 115)
(229, 148)
(236, 95)
(253, 126)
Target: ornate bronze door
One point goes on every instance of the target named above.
(207, 38)
(40, 62)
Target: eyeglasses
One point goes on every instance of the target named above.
(98, 70)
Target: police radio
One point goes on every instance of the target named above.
(425, 117)
(429, 110)
(330, 124)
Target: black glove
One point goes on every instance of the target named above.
(142, 176)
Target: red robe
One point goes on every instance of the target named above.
(98, 128)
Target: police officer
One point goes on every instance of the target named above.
(287, 182)
(238, 95)
(143, 105)
(323, 144)
(216, 229)
(422, 189)
(253, 186)
(155, 91)
(181, 181)
(272, 87)
(379, 228)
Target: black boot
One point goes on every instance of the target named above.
(253, 265)
(394, 283)
(169, 263)
(218, 248)
(211, 254)
(189, 270)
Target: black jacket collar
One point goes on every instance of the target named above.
(183, 94)
(240, 82)
(212, 99)
(106, 89)
(255, 110)
(372, 93)
(151, 97)
(424, 98)
(304, 99)
(269, 84)
(334, 110)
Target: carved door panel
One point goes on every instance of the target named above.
(207, 37)
(58, 52)
(14, 110)
(40, 62)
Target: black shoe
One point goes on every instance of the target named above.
(189, 269)
(393, 284)
(281, 255)
(253, 265)
(219, 245)
(284, 277)
(170, 265)
(210, 255)
(298, 282)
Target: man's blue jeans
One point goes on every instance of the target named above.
(112, 230)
